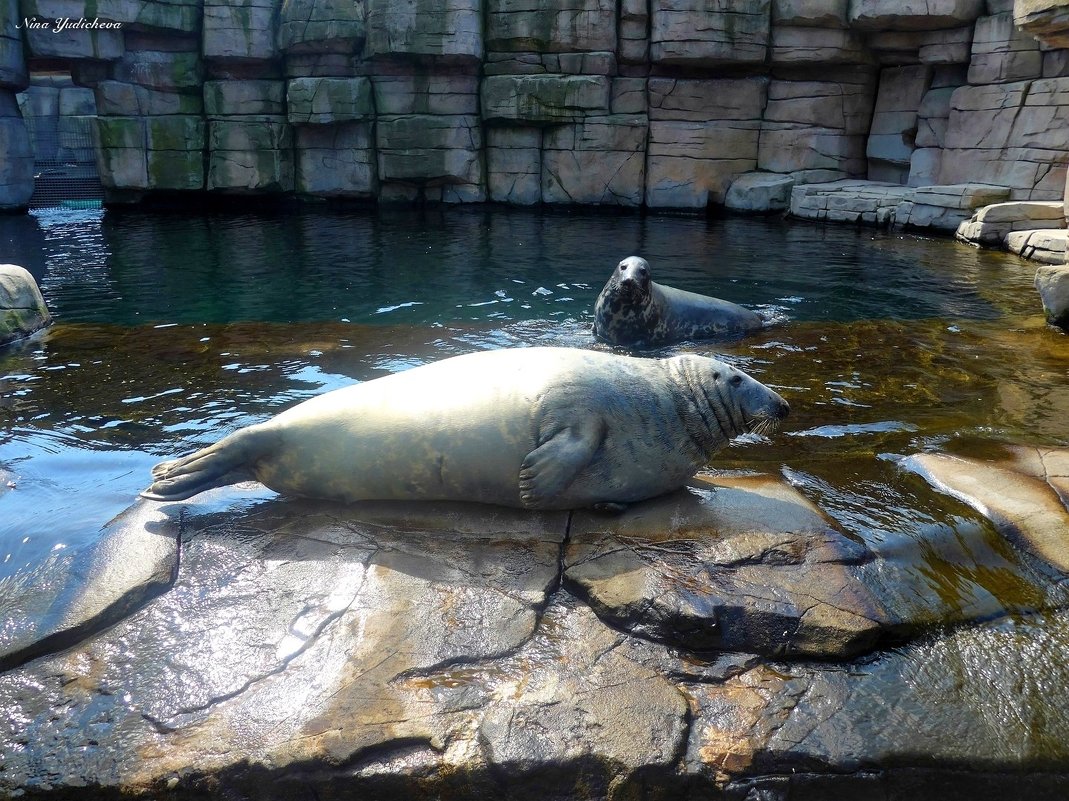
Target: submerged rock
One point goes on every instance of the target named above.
(22, 309)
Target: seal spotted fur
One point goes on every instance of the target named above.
(540, 428)
(634, 311)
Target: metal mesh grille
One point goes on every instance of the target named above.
(65, 168)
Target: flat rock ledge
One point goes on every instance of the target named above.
(878, 203)
(720, 642)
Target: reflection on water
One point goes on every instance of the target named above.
(174, 330)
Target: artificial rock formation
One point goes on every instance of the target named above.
(703, 644)
(562, 101)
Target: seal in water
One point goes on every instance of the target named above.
(633, 311)
(541, 428)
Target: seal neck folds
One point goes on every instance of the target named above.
(717, 402)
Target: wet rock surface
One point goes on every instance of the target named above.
(725, 640)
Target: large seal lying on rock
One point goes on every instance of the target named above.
(541, 428)
(633, 311)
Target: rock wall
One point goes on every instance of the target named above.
(616, 102)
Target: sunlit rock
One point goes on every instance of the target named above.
(760, 191)
(1046, 245)
(945, 207)
(871, 202)
(77, 592)
(1047, 20)
(1001, 53)
(740, 564)
(991, 224)
(702, 135)
(1024, 495)
(1053, 286)
(601, 160)
(22, 309)
(297, 634)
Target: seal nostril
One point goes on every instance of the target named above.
(784, 409)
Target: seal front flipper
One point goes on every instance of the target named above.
(551, 467)
(226, 462)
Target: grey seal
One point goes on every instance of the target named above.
(538, 428)
(634, 311)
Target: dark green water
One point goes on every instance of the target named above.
(174, 330)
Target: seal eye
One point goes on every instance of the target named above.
(736, 380)
(621, 266)
(716, 376)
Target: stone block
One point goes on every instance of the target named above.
(431, 149)
(1009, 134)
(16, 156)
(866, 202)
(1047, 20)
(691, 164)
(98, 45)
(336, 160)
(323, 65)
(924, 166)
(710, 32)
(810, 13)
(426, 93)
(514, 165)
(932, 117)
(76, 101)
(1001, 53)
(628, 96)
(118, 99)
(13, 72)
(760, 192)
(794, 46)
(894, 15)
(844, 104)
(544, 98)
(321, 26)
(715, 98)
(633, 32)
(173, 71)
(1053, 286)
(597, 63)
(553, 26)
(329, 100)
(175, 170)
(1046, 245)
(245, 135)
(990, 224)
(175, 133)
(239, 29)
(600, 160)
(182, 16)
(244, 98)
(787, 148)
(445, 28)
(892, 135)
(250, 171)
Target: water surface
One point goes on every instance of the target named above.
(173, 330)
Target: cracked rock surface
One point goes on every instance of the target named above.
(726, 641)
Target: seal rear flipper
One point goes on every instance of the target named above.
(226, 462)
(551, 467)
